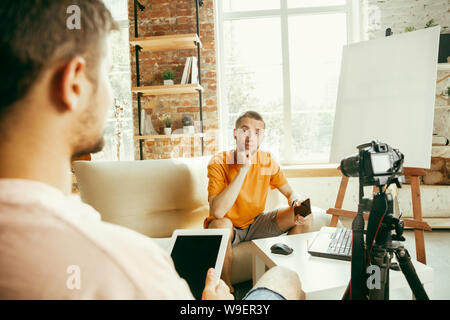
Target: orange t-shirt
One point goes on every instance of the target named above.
(251, 201)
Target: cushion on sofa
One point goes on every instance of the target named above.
(153, 197)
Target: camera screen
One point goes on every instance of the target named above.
(380, 163)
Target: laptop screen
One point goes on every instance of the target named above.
(193, 255)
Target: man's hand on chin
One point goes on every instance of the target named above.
(244, 158)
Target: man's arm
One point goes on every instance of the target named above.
(290, 194)
(295, 200)
(221, 203)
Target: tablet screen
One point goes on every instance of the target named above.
(193, 255)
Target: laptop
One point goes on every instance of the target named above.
(194, 251)
(333, 243)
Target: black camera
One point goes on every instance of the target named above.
(376, 163)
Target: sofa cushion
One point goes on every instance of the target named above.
(153, 197)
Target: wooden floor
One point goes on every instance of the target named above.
(437, 246)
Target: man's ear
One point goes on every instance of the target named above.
(73, 76)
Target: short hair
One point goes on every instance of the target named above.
(249, 114)
(34, 35)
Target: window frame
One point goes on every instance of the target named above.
(354, 34)
(122, 23)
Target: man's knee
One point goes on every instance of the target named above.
(285, 274)
(284, 281)
(223, 223)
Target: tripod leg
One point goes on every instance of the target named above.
(358, 289)
(346, 295)
(380, 264)
(404, 260)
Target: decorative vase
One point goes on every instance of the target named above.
(167, 131)
(168, 82)
(148, 128)
(188, 129)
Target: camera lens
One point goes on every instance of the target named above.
(350, 166)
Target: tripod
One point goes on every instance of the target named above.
(381, 245)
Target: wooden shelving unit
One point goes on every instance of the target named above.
(171, 89)
(172, 136)
(171, 42)
(161, 43)
(443, 66)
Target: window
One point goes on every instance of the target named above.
(120, 78)
(282, 58)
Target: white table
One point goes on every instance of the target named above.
(324, 278)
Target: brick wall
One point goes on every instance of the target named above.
(164, 17)
(399, 14)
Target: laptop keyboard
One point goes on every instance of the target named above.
(341, 242)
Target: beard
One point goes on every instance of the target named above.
(88, 138)
(88, 149)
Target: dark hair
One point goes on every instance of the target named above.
(249, 114)
(34, 35)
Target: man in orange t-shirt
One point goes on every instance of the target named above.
(239, 182)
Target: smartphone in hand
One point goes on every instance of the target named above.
(304, 209)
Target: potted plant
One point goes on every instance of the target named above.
(430, 24)
(168, 77)
(188, 124)
(410, 29)
(168, 125)
(167, 121)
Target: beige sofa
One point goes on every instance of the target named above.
(155, 197)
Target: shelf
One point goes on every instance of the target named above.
(188, 41)
(171, 42)
(440, 151)
(171, 136)
(313, 170)
(443, 66)
(169, 89)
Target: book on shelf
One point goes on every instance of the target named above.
(188, 79)
(190, 72)
(142, 121)
(194, 73)
(184, 78)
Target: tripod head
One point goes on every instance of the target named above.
(382, 222)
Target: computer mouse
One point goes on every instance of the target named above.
(281, 248)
